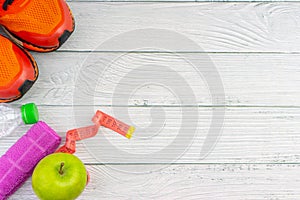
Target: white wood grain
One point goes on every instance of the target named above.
(215, 27)
(271, 1)
(255, 47)
(248, 79)
(234, 181)
(250, 135)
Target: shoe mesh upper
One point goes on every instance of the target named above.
(9, 65)
(34, 16)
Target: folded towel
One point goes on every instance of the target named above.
(18, 163)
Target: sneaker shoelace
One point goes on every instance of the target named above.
(6, 4)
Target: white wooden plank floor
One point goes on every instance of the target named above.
(143, 58)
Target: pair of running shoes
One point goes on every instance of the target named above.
(35, 25)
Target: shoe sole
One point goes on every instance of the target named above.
(62, 39)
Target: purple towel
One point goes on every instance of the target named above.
(19, 161)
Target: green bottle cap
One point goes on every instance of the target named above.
(30, 113)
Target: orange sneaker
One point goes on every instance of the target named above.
(18, 71)
(38, 25)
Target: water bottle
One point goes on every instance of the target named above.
(11, 117)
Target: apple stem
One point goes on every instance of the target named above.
(61, 172)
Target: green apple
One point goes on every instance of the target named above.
(59, 176)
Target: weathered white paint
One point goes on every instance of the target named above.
(254, 47)
(250, 135)
(248, 79)
(215, 27)
(233, 181)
